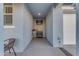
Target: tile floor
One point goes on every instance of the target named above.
(40, 47)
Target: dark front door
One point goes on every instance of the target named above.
(39, 34)
(39, 31)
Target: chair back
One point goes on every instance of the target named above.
(10, 44)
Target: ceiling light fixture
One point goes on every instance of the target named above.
(39, 14)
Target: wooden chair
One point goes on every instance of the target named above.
(9, 45)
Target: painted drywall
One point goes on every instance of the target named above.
(77, 29)
(49, 26)
(54, 26)
(27, 26)
(57, 26)
(69, 29)
(1, 31)
(19, 32)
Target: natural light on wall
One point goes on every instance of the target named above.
(67, 7)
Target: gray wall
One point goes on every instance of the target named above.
(22, 22)
(54, 26)
(17, 31)
(27, 26)
(77, 29)
(49, 26)
(57, 26)
(1, 30)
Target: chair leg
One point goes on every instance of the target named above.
(9, 51)
(14, 51)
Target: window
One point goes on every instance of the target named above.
(8, 14)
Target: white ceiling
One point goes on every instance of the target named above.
(39, 10)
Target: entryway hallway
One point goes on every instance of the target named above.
(40, 20)
(40, 47)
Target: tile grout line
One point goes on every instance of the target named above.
(65, 52)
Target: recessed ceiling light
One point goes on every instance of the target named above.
(39, 13)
